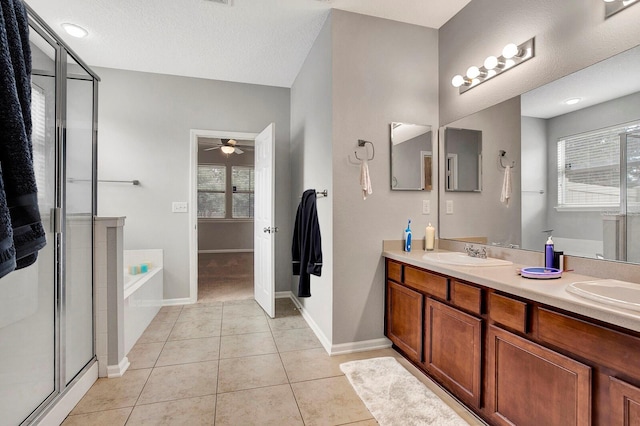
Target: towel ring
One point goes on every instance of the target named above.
(503, 153)
(361, 143)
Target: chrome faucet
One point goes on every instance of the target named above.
(475, 252)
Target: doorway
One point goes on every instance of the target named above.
(225, 184)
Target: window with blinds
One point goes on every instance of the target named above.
(212, 185)
(242, 181)
(589, 168)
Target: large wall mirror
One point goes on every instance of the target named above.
(577, 168)
(411, 157)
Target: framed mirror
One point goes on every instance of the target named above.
(462, 160)
(411, 157)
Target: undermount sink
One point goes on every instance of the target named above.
(614, 292)
(462, 259)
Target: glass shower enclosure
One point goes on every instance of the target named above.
(46, 310)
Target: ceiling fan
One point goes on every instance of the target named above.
(229, 146)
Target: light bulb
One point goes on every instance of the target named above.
(473, 72)
(227, 149)
(457, 81)
(491, 62)
(572, 101)
(491, 73)
(75, 30)
(609, 1)
(510, 50)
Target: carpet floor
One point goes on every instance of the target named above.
(395, 397)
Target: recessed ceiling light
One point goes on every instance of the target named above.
(75, 30)
(572, 101)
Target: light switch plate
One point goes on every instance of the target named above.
(179, 207)
(449, 206)
(426, 207)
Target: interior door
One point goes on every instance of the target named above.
(264, 226)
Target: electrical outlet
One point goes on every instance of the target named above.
(449, 206)
(426, 207)
(179, 207)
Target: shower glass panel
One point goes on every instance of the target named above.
(633, 197)
(27, 305)
(78, 219)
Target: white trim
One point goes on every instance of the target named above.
(194, 134)
(180, 301)
(226, 251)
(285, 295)
(71, 397)
(362, 346)
(326, 343)
(114, 371)
(601, 209)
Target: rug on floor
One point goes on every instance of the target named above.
(395, 397)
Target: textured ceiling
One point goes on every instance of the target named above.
(251, 41)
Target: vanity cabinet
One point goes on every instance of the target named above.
(511, 360)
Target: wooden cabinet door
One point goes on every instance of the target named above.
(404, 319)
(625, 403)
(453, 349)
(532, 385)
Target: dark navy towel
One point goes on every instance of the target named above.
(19, 198)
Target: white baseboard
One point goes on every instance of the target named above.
(225, 251)
(284, 295)
(73, 395)
(326, 343)
(118, 370)
(179, 301)
(362, 346)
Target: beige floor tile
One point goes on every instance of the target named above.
(285, 308)
(250, 372)
(180, 381)
(329, 402)
(263, 406)
(287, 322)
(310, 364)
(176, 308)
(244, 325)
(250, 308)
(371, 422)
(241, 345)
(195, 329)
(191, 350)
(167, 316)
(295, 339)
(101, 418)
(190, 411)
(198, 305)
(144, 355)
(156, 332)
(213, 313)
(108, 394)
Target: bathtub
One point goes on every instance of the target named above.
(143, 293)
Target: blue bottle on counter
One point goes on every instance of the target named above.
(407, 237)
(548, 253)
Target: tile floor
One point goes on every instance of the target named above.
(227, 363)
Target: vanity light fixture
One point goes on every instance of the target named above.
(75, 30)
(611, 7)
(512, 55)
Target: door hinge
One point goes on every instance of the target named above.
(56, 220)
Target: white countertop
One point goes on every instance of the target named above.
(506, 279)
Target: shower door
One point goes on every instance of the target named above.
(631, 196)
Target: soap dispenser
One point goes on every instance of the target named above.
(548, 253)
(407, 237)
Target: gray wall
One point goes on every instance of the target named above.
(582, 225)
(383, 71)
(481, 214)
(311, 167)
(534, 179)
(230, 234)
(144, 124)
(570, 35)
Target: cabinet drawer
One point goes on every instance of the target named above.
(426, 282)
(394, 271)
(466, 297)
(508, 312)
(605, 346)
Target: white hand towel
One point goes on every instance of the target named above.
(365, 179)
(505, 195)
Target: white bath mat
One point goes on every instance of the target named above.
(395, 397)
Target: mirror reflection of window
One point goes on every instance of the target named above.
(411, 157)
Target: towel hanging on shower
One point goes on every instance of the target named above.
(21, 232)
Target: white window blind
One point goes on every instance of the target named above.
(589, 168)
(242, 181)
(212, 183)
(38, 139)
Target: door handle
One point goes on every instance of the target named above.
(269, 230)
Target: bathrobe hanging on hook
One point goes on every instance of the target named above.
(306, 249)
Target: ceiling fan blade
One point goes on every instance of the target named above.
(238, 150)
(211, 148)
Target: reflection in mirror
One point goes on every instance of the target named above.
(463, 160)
(411, 157)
